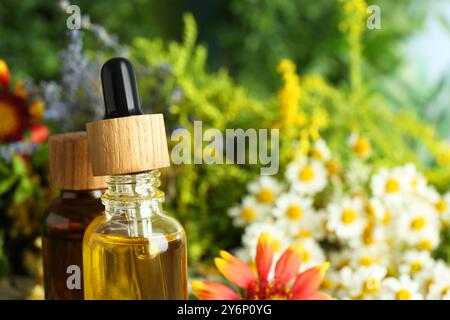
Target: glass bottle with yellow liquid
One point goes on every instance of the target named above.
(134, 251)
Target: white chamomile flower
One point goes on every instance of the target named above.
(441, 203)
(440, 290)
(346, 286)
(373, 277)
(390, 184)
(368, 255)
(332, 282)
(295, 214)
(249, 211)
(311, 254)
(414, 261)
(435, 273)
(254, 230)
(418, 225)
(376, 210)
(359, 145)
(416, 181)
(320, 151)
(346, 219)
(265, 189)
(442, 206)
(403, 288)
(363, 283)
(307, 177)
(428, 240)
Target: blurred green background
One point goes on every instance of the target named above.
(223, 58)
(246, 36)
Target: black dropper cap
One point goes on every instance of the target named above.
(120, 91)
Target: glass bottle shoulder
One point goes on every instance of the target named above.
(122, 227)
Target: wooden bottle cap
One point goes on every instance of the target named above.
(70, 167)
(128, 144)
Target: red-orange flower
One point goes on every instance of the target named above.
(39, 133)
(258, 286)
(18, 113)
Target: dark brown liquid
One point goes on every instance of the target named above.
(64, 224)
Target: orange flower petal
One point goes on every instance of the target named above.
(39, 133)
(235, 270)
(209, 290)
(264, 256)
(287, 266)
(4, 74)
(306, 283)
(319, 296)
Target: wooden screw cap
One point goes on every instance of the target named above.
(128, 144)
(70, 167)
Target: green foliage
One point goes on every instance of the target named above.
(443, 251)
(15, 177)
(268, 31)
(247, 37)
(30, 37)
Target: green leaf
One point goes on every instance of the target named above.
(19, 167)
(4, 169)
(7, 183)
(23, 190)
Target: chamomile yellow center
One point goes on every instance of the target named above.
(366, 261)
(372, 285)
(316, 154)
(392, 186)
(328, 284)
(387, 217)
(266, 196)
(403, 294)
(332, 168)
(361, 147)
(304, 234)
(248, 214)
(418, 223)
(306, 255)
(368, 238)
(294, 212)
(441, 206)
(425, 245)
(348, 216)
(370, 210)
(416, 266)
(445, 291)
(306, 174)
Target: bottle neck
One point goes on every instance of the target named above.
(81, 194)
(133, 196)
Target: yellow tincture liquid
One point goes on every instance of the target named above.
(135, 268)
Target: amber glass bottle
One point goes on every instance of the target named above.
(67, 216)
